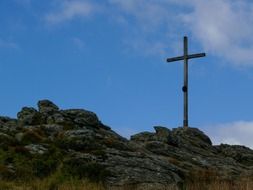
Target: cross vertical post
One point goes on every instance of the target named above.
(186, 57)
(185, 87)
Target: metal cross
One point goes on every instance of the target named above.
(185, 57)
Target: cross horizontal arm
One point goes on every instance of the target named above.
(197, 55)
(175, 59)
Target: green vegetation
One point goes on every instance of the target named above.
(80, 170)
(32, 166)
(54, 182)
(26, 165)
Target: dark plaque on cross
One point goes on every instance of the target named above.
(186, 57)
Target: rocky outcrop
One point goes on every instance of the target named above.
(40, 142)
(47, 107)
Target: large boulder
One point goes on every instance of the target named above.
(36, 148)
(52, 129)
(192, 141)
(186, 137)
(140, 169)
(8, 125)
(47, 107)
(143, 137)
(161, 134)
(239, 153)
(29, 116)
(82, 117)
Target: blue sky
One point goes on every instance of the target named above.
(110, 57)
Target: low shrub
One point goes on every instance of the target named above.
(80, 170)
(31, 136)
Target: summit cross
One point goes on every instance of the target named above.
(186, 57)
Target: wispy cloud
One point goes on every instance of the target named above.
(222, 27)
(235, 133)
(148, 13)
(67, 10)
(144, 20)
(79, 43)
(8, 44)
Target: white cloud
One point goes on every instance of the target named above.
(68, 10)
(222, 27)
(235, 133)
(8, 44)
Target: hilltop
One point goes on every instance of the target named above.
(75, 143)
